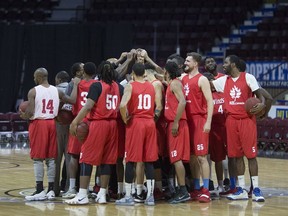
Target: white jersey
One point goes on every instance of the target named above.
(46, 102)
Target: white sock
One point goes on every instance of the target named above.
(83, 192)
(255, 181)
(241, 180)
(128, 188)
(139, 188)
(72, 183)
(120, 187)
(97, 181)
(102, 191)
(133, 190)
(150, 187)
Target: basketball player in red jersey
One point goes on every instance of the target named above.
(217, 138)
(240, 127)
(101, 146)
(177, 129)
(74, 145)
(160, 126)
(199, 110)
(42, 109)
(137, 111)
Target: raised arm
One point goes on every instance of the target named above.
(124, 101)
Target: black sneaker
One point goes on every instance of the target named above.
(211, 185)
(226, 183)
(140, 198)
(179, 198)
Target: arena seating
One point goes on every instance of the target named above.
(26, 11)
(273, 135)
(198, 23)
(13, 128)
(269, 42)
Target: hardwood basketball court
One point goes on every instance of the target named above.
(17, 180)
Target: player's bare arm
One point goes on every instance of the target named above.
(259, 106)
(72, 98)
(204, 84)
(29, 112)
(150, 61)
(158, 99)
(176, 87)
(124, 101)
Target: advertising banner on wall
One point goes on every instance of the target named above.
(278, 111)
(269, 74)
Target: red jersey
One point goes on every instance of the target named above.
(218, 112)
(142, 102)
(236, 93)
(219, 75)
(171, 104)
(108, 102)
(196, 102)
(83, 88)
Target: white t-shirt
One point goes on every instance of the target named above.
(251, 81)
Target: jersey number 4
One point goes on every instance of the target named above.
(47, 106)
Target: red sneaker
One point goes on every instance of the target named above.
(195, 194)
(204, 196)
(226, 193)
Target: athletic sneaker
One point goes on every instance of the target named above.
(226, 193)
(140, 198)
(51, 195)
(204, 196)
(211, 185)
(120, 195)
(195, 194)
(37, 196)
(180, 198)
(257, 195)
(101, 199)
(240, 194)
(78, 200)
(150, 201)
(226, 183)
(71, 193)
(125, 201)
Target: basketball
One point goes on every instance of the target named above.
(261, 113)
(250, 103)
(23, 106)
(82, 131)
(64, 117)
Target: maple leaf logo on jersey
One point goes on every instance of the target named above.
(235, 93)
(186, 89)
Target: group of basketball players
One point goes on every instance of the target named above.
(175, 112)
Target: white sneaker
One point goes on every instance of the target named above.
(71, 193)
(101, 199)
(78, 200)
(240, 194)
(37, 196)
(51, 195)
(257, 195)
